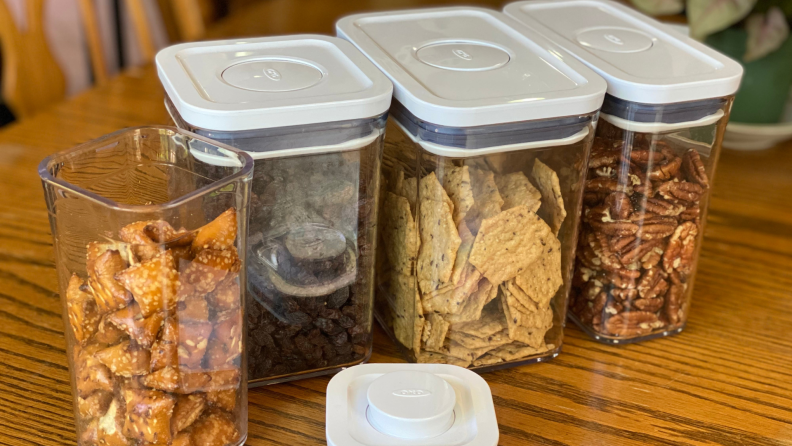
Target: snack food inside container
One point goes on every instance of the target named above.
(150, 257)
(313, 123)
(482, 176)
(478, 248)
(644, 205)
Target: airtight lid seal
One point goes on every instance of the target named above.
(410, 404)
(234, 85)
(641, 60)
(464, 67)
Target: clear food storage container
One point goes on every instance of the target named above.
(311, 112)
(483, 170)
(149, 251)
(651, 166)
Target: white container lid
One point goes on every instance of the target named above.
(639, 58)
(232, 85)
(410, 404)
(463, 67)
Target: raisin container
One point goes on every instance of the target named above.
(651, 167)
(483, 170)
(149, 251)
(311, 112)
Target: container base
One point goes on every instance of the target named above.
(615, 340)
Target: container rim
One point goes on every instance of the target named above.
(245, 170)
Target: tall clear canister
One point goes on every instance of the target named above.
(651, 167)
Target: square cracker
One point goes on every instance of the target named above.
(529, 315)
(552, 202)
(542, 279)
(534, 337)
(471, 308)
(492, 321)
(463, 253)
(399, 234)
(451, 301)
(439, 244)
(457, 350)
(487, 359)
(439, 358)
(405, 309)
(434, 332)
(508, 243)
(456, 182)
(475, 342)
(516, 350)
(516, 189)
(431, 189)
(409, 190)
(487, 200)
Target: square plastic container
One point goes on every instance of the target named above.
(651, 167)
(153, 314)
(311, 112)
(483, 172)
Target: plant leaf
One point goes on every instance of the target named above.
(766, 33)
(710, 16)
(660, 7)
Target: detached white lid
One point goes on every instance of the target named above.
(410, 404)
(232, 85)
(463, 67)
(639, 58)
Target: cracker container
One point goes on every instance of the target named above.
(149, 226)
(311, 112)
(651, 166)
(483, 170)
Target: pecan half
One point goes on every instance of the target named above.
(694, 168)
(662, 207)
(652, 284)
(607, 185)
(665, 169)
(681, 190)
(624, 295)
(652, 258)
(593, 198)
(656, 228)
(638, 249)
(632, 323)
(651, 305)
(674, 299)
(646, 156)
(619, 205)
(599, 243)
(618, 244)
(615, 228)
(691, 213)
(681, 247)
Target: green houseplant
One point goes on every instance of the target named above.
(754, 32)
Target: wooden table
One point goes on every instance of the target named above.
(727, 379)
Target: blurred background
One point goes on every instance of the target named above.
(53, 49)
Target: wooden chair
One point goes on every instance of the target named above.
(31, 77)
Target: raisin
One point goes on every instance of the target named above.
(338, 298)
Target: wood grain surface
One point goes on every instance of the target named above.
(727, 379)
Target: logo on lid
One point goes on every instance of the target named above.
(462, 54)
(614, 39)
(272, 74)
(412, 392)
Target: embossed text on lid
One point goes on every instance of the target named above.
(272, 75)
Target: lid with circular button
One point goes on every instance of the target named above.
(411, 404)
(233, 85)
(641, 60)
(468, 67)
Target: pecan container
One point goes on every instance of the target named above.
(311, 111)
(651, 166)
(483, 171)
(149, 251)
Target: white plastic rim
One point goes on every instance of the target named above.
(658, 127)
(215, 160)
(353, 144)
(456, 152)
